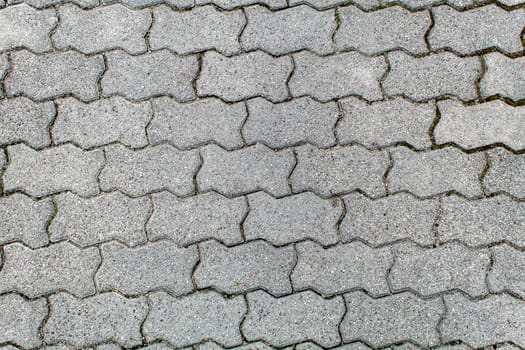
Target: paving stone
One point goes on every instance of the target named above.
(101, 122)
(194, 318)
(230, 4)
(421, 4)
(342, 268)
(149, 75)
(245, 267)
(24, 220)
(204, 121)
(197, 218)
(291, 219)
(49, 3)
(325, 4)
(340, 75)
(382, 30)
(293, 319)
(301, 120)
(20, 320)
(111, 216)
(439, 74)
(507, 272)
(60, 266)
(338, 170)
(113, 347)
(247, 170)
(244, 76)
(289, 30)
(178, 4)
(54, 75)
(158, 265)
(384, 123)
(444, 268)
(503, 76)
(248, 346)
(481, 124)
(4, 66)
(102, 318)
(202, 28)
(471, 31)
(433, 172)
(481, 323)
(378, 321)
(506, 173)
(56, 169)
(152, 169)
(353, 346)
(24, 26)
(101, 29)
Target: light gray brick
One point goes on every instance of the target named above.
(60, 266)
(338, 170)
(204, 121)
(244, 76)
(24, 26)
(384, 123)
(291, 219)
(433, 172)
(157, 265)
(506, 173)
(436, 75)
(340, 75)
(293, 319)
(382, 30)
(49, 3)
(24, 220)
(101, 29)
(194, 318)
(245, 267)
(507, 272)
(193, 219)
(481, 323)
(503, 76)
(247, 170)
(300, 120)
(101, 122)
(421, 4)
(288, 30)
(56, 169)
(149, 75)
(152, 169)
(102, 318)
(178, 4)
(324, 4)
(54, 75)
(230, 4)
(471, 31)
(342, 268)
(20, 320)
(392, 319)
(202, 28)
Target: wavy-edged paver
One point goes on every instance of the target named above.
(41, 4)
(249, 346)
(503, 76)
(423, 4)
(506, 173)
(4, 67)
(137, 4)
(351, 346)
(231, 4)
(326, 4)
(507, 272)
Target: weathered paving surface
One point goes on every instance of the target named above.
(262, 174)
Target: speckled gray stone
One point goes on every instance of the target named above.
(248, 346)
(339, 170)
(324, 4)
(191, 319)
(230, 4)
(244, 76)
(507, 272)
(178, 4)
(352, 346)
(506, 173)
(193, 124)
(48, 3)
(503, 76)
(293, 319)
(4, 65)
(193, 219)
(290, 123)
(291, 219)
(420, 4)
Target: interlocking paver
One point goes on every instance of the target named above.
(288, 30)
(507, 272)
(152, 169)
(339, 170)
(436, 75)
(48, 3)
(203, 28)
(54, 75)
(249, 346)
(382, 30)
(324, 4)
(341, 268)
(340, 75)
(4, 66)
(378, 321)
(188, 125)
(503, 76)
(291, 219)
(244, 76)
(56, 169)
(178, 4)
(420, 4)
(102, 318)
(293, 319)
(230, 4)
(384, 123)
(191, 319)
(245, 267)
(193, 219)
(506, 173)
(352, 346)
